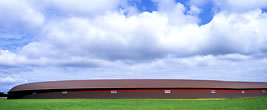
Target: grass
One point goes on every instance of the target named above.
(256, 103)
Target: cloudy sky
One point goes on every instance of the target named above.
(48, 40)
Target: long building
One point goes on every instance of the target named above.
(138, 88)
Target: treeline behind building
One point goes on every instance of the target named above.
(2, 94)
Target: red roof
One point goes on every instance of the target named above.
(138, 83)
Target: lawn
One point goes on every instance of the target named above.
(257, 103)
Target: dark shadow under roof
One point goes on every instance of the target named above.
(138, 83)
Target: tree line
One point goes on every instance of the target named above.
(2, 94)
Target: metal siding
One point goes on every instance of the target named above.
(159, 94)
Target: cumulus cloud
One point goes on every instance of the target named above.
(7, 82)
(240, 5)
(146, 36)
(237, 6)
(194, 10)
(18, 13)
(9, 58)
(176, 12)
(19, 22)
(195, 67)
(113, 36)
(242, 33)
(165, 5)
(76, 7)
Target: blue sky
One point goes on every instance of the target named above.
(132, 39)
(149, 6)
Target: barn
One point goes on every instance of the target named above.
(138, 88)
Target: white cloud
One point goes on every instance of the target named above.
(9, 58)
(240, 5)
(9, 81)
(264, 60)
(145, 36)
(236, 6)
(194, 10)
(115, 36)
(195, 67)
(78, 7)
(241, 33)
(235, 57)
(175, 12)
(18, 13)
(165, 5)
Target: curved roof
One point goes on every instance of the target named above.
(138, 83)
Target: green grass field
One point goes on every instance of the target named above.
(258, 103)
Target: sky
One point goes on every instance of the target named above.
(52, 40)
